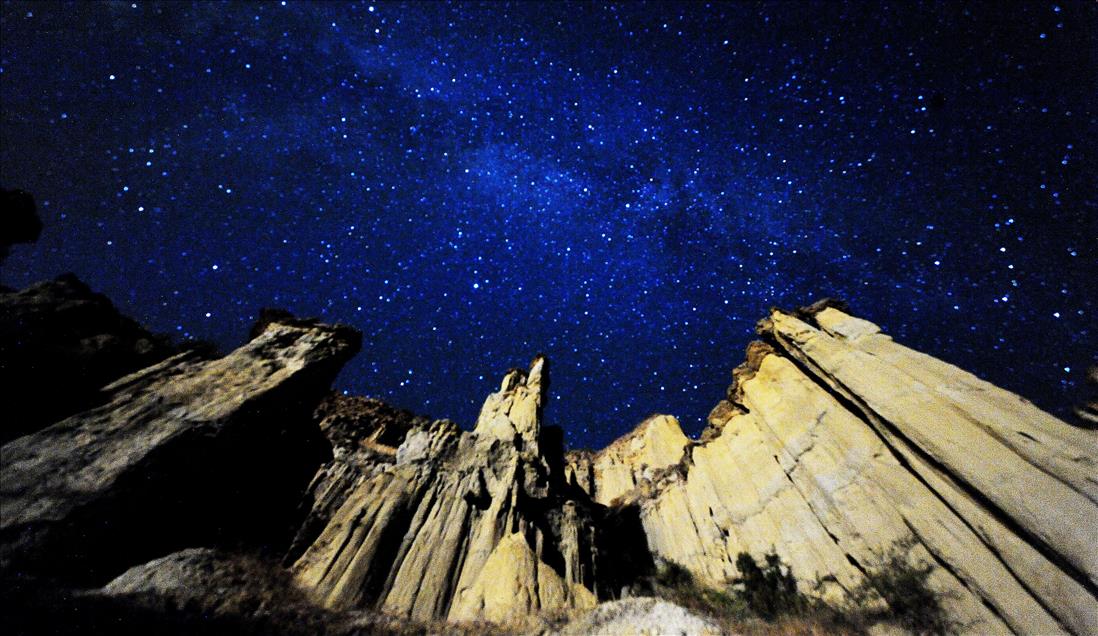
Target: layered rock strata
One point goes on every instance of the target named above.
(832, 445)
(835, 442)
(461, 525)
(364, 434)
(189, 451)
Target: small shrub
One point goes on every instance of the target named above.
(764, 598)
(675, 583)
(769, 591)
(903, 586)
(673, 575)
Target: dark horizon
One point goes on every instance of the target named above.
(626, 189)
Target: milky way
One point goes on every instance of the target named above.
(626, 188)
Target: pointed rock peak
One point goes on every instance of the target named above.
(640, 456)
(538, 378)
(514, 412)
(657, 433)
(513, 378)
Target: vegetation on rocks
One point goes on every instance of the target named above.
(764, 598)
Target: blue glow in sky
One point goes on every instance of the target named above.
(626, 188)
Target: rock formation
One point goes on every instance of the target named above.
(834, 442)
(657, 443)
(460, 525)
(240, 491)
(186, 452)
(363, 433)
(59, 344)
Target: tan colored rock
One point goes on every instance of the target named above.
(513, 414)
(656, 443)
(514, 582)
(463, 525)
(832, 466)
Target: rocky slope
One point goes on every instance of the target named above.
(186, 452)
(238, 495)
(61, 334)
(835, 442)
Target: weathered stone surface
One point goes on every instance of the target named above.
(836, 442)
(459, 524)
(232, 589)
(832, 444)
(514, 577)
(59, 344)
(655, 444)
(185, 452)
(641, 617)
(365, 434)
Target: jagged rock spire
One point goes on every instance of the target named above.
(513, 414)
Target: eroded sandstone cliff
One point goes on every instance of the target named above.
(197, 474)
(461, 524)
(189, 451)
(835, 442)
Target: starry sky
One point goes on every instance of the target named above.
(625, 187)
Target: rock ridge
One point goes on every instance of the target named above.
(831, 444)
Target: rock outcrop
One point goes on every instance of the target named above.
(657, 443)
(59, 344)
(233, 593)
(189, 451)
(364, 434)
(461, 525)
(240, 490)
(835, 442)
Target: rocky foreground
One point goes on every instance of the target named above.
(186, 492)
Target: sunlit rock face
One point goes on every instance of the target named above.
(657, 443)
(834, 442)
(462, 525)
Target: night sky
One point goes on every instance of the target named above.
(626, 188)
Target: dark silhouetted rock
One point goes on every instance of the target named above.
(59, 344)
(1087, 410)
(187, 452)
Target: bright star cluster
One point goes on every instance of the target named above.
(624, 187)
